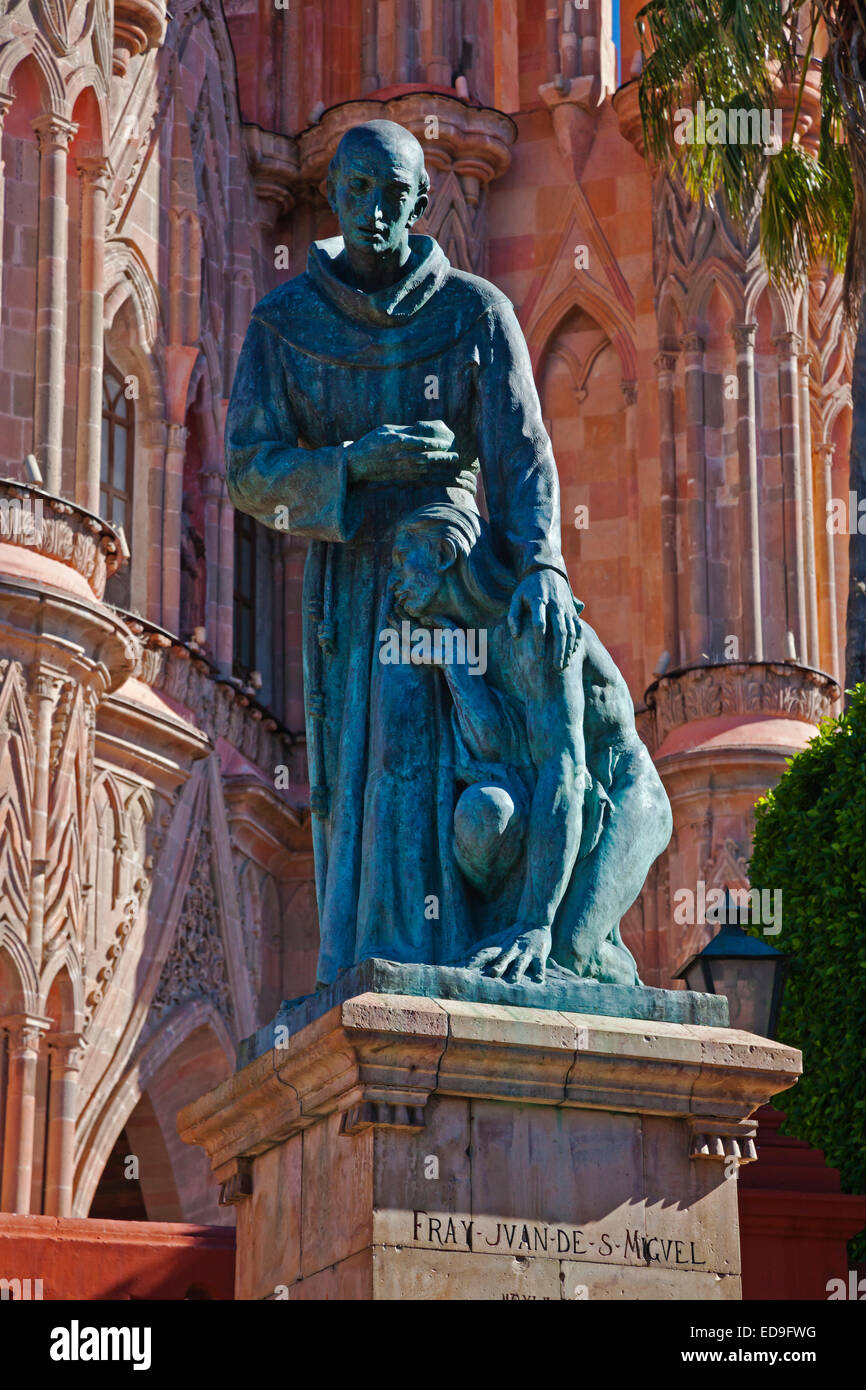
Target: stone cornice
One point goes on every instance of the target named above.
(67, 636)
(738, 687)
(383, 1056)
(216, 705)
(138, 26)
(59, 530)
(274, 164)
(476, 139)
(264, 824)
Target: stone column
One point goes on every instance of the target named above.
(370, 46)
(439, 66)
(788, 347)
(224, 650)
(151, 436)
(629, 392)
(278, 665)
(211, 484)
(94, 180)
(24, 1033)
(694, 601)
(54, 134)
(804, 361)
(66, 1051)
(175, 452)
(747, 449)
(43, 687)
(5, 103)
(829, 619)
(666, 365)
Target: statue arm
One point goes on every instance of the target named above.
(266, 469)
(484, 718)
(520, 479)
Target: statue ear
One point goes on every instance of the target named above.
(446, 554)
(419, 209)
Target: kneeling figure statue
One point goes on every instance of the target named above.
(559, 808)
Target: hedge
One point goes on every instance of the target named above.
(810, 841)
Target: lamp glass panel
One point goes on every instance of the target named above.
(748, 985)
(695, 978)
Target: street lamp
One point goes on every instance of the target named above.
(745, 968)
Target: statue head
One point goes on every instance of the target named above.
(378, 187)
(444, 565)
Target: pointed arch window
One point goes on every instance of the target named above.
(116, 470)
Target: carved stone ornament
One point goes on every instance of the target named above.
(195, 967)
(59, 530)
(705, 692)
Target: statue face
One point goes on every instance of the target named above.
(418, 577)
(375, 192)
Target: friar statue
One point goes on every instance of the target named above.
(378, 381)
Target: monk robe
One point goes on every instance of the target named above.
(322, 364)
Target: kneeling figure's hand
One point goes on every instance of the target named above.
(518, 951)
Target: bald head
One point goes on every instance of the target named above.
(377, 186)
(384, 141)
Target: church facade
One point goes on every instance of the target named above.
(162, 171)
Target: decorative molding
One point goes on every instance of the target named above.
(220, 709)
(238, 1185)
(706, 692)
(721, 1141)
(55, 24)
(138, 26)
(17, 761)
(274, 164)
(61, 531)
(728, 868)
(122, 932)
(384, 1114)
(379, 1048)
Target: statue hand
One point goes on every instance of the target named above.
(519, 950)
(418, 453)
(546, 598)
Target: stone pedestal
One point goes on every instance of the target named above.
(399, 1147)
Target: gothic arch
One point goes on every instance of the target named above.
(127, 276)
(671, 310)
(543, 328)
(64, 962)
(89, 79)
(35, 46)
(167, 1041)
(132, 338)
(139, 975)
(785, 304)
(20, 979)
(713, 273)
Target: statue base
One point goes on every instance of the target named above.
(561, 991)
(413, 1148)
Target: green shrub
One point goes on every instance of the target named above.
(810, 841)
